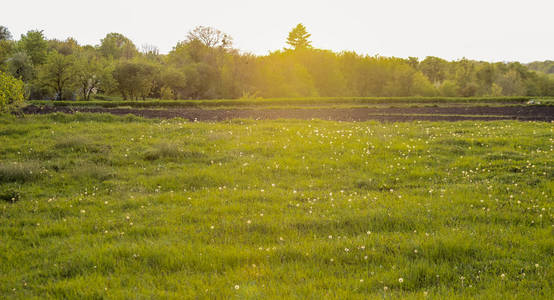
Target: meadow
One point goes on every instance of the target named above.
(97, 206)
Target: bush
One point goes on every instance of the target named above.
(11, 91)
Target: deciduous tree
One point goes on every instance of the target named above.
(116, 46)
(35, 45)
(57, 73)
(211, 37)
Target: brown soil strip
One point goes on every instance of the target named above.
(522, 113)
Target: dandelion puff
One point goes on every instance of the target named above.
(400, 279)
(237, 287)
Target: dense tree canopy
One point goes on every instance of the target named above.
(205, 66)
(543, 66)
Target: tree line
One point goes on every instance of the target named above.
(206, 66)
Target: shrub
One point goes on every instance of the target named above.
(11, 91)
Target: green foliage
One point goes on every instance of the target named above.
(134, 78)
(5, 33)
(92, 74)
(67, 47)
(11, 91)
(449, 88)
(20, 66)
(205, 66)
(546, 66)
(174, 82)
(434, 68)
(117, 46)
(35, 45)
(298, 38)
(57, 73)
(6, 49)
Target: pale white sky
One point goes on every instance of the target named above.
(492, 30)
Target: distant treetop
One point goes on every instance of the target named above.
(5, 33)
(298, 37)
(210, 37)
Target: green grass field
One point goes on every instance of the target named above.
(98, 206)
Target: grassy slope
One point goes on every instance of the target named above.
(130, 208)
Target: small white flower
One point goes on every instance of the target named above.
(237, 287)
(400, 279)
